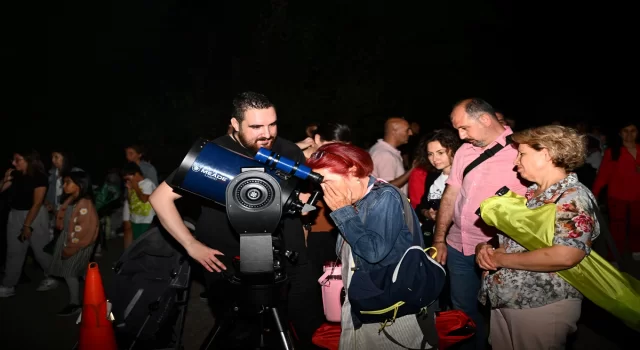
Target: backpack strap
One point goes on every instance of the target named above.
(407, 210)
(408, 217)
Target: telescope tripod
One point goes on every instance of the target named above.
(259, 314)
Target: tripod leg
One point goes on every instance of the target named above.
(287, 344)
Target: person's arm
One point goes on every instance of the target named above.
(374, 240)
(575, 222)
(7, 180)
(143, 191)
(163, 202)
(484, 255)
(444, 217)
(402, 179)
(306, 143)
(38, 199)
(549, 259)
(384, 168)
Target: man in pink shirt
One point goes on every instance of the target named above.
(478, 125)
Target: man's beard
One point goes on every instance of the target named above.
(253, 146)
(476, 143)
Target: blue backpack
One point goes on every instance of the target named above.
(406, 288)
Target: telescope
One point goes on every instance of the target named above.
(256, 193)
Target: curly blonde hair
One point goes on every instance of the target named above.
(567, 148)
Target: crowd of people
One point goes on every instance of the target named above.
(514, 295)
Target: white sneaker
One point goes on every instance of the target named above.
(6, 292)
(47, 284)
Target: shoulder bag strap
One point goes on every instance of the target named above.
(408, 219)
(486, 155)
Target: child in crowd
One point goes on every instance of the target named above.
(137, 213)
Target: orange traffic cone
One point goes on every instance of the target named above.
(96, 330)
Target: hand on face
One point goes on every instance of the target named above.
(334, 199)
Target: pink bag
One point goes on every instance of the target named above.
(332, 286)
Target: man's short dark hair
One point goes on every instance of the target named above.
(249, 100)
(131, 169)
(475, 107)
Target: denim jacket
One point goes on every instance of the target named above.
(376, 229)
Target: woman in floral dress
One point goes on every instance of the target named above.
(78, 221)
(532, 306)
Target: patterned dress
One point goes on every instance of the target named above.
(576, 226)
(75, 243)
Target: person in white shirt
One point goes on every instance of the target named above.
(138, 213)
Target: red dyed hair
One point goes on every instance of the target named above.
(340, 157)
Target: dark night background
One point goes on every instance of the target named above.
(94, 76)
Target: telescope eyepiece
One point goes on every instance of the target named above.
(286, 165)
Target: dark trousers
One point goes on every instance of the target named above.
(465, 284)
